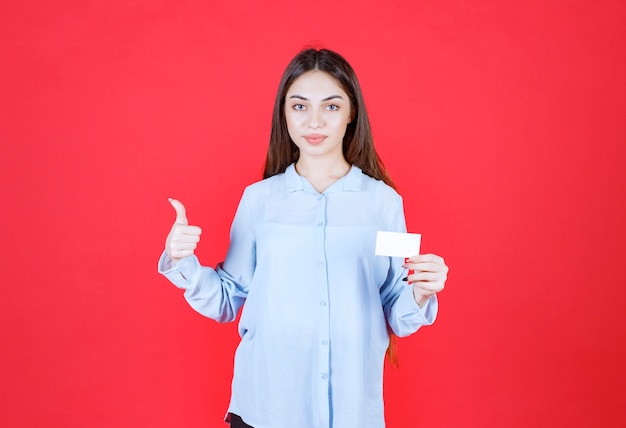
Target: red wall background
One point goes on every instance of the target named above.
(502, 122)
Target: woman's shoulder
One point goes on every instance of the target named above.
(378, 187)
(266, 186)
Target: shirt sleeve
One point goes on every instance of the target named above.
(218, 293)
(403, 314)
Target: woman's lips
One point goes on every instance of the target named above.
(315, 138)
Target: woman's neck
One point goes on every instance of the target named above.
(323, 173)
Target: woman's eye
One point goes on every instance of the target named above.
(299, 107)
(332, 107)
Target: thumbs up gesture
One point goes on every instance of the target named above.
(182, 239)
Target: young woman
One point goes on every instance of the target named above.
(318, 303)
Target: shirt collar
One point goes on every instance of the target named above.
(350, 182)
(294, 181)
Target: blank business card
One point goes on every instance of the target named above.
(396, 244)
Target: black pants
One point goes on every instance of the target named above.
(236, 422)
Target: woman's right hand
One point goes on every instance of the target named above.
(182, 239)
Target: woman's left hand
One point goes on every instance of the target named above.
(429, 276)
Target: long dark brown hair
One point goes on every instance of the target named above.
(358, 144)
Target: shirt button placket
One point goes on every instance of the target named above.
(324, 319)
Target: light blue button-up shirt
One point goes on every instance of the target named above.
(317, 300)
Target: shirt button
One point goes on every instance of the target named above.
(324, 376)
(323, 303)
(324, 342)
(320, 264)
(320, 224)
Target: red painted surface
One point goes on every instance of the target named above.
(502, 124)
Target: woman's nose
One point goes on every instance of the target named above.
(316, 119)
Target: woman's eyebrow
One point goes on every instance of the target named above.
(332, 97)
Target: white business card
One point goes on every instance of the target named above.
(396, 244)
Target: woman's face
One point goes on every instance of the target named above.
(317, 112)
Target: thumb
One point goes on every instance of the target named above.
(181, 214)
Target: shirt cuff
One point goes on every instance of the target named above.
(429, 310)
(423, 316)
(181, 273)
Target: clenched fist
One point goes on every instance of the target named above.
(182, 239)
